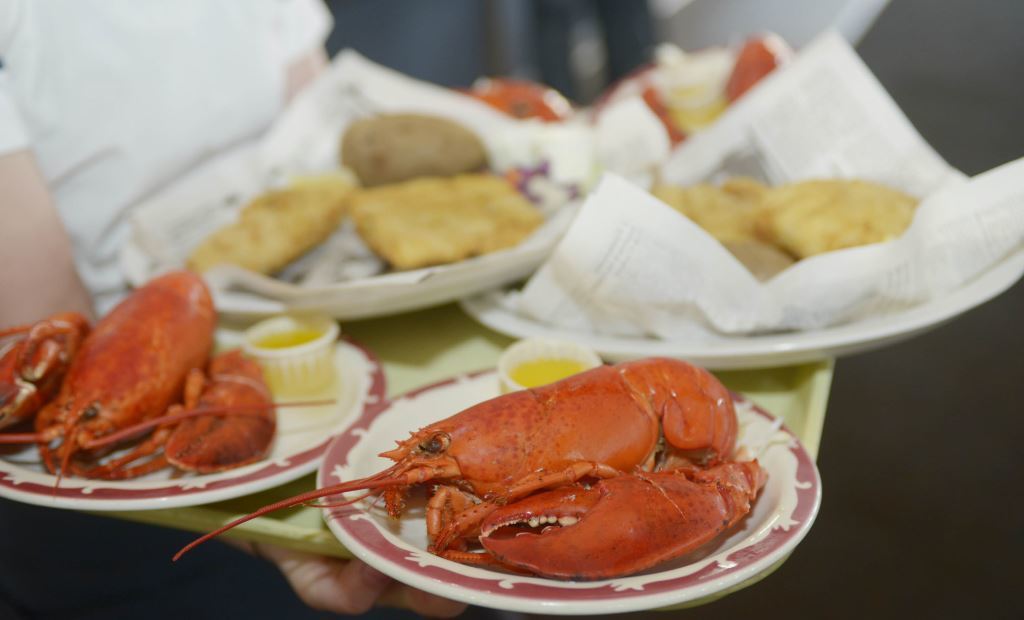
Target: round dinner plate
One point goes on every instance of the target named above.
(782, 515)
(246, 295)
(770, 350)
(166, 227)
(303, 435)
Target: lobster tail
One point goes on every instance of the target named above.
(696, 410)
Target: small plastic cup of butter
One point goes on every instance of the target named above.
(296, 353)
(539, 361)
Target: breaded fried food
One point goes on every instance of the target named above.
(392, 148)
(813, 217)
(432, 221)
(728, 213)
(745, 189)
(277, 227)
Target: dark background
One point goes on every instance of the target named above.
(921, 454)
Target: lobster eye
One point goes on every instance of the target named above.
(437, 443)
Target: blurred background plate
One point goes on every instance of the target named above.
(245, 295)
(770, 350)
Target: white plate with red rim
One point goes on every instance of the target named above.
(782, 515)
(303, 436)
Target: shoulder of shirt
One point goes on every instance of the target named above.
(13, 14)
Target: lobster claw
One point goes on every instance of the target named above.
(33, 361)
(620, 525)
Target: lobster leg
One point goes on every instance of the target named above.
(154, 464)
(444, 504)
(473, 558)
(480, 558)
(466, 521)
(116, 468)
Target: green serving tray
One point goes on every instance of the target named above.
(427, 346)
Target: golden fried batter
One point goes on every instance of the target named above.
(431, 221)
(813, 217)
(727, 213)
(277, 227)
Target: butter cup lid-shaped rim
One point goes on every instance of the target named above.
(282, 324)
(534, 349)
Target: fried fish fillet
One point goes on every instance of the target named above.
(432, 220)
(277, 227)
(728, 213)
(813, 217)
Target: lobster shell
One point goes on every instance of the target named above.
(133, 365)
(208, 444)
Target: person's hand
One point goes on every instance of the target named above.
(348, 586)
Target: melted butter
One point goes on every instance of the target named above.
(544, 371)
(290, 338)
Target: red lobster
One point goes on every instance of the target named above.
(654, 434)
(227, 421)
(129, 372)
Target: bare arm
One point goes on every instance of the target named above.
(37, 271)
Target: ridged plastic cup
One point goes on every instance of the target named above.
(300, 370)
(535, 349)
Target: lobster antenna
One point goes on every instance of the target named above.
(17, 329)
(285, 503)
(347, 502)
(65, 460)
(249, 410)
(6, 438)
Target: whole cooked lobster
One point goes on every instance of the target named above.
(604, 473)
(93, 391)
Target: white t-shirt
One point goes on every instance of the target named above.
(117, 98)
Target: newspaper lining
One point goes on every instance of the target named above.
(632, 266)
